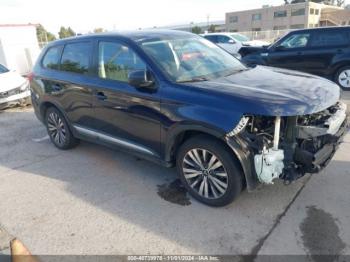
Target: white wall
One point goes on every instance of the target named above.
(19, 47)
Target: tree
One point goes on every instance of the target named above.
(212, 29)
(99, 30)
(66, 32)
(43, 35)
(196, 30)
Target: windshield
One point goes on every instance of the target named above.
(3, 69)
(191, 59)
(240, 38)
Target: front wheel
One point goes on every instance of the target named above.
(343, 78)
(209, 171)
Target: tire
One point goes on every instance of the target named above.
(342, 78)
(58, 130)
(215, 186)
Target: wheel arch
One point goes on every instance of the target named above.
(238, 152)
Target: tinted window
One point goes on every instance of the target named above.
(222, 39)
(297, 12)
(3, 69)
(295, 41)
(117, 60)
(233, 19)
(280, 14)
(211, 38)
(330, 38)
(76, 57)
(256, 17)
(52, 57)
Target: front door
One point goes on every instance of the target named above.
(124, 115)
(288, 53)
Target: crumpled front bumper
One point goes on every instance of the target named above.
(315, 162)
(14, 99)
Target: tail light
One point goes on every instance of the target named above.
(30, 76)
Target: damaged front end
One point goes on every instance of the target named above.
(287, 147)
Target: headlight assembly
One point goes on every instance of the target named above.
(24, 86)
(239, 127)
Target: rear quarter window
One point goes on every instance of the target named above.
(52, 57)
(330, 38)
(76, 57)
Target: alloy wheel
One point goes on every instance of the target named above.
(56, 128)
(344, 78)
(205, 173)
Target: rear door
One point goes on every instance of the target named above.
(66, 75)
(325, 48)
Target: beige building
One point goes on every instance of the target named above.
(292, 16)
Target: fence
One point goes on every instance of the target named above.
(268, 36)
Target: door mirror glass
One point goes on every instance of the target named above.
(141, 79)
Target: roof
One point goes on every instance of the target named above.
(137, 35)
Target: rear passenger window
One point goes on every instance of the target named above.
(76, 57)
(330, 38)
(52, 57)
(116, 61)
(211, 38)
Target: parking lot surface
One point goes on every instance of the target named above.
(93, 200)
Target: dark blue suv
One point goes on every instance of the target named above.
(177, 99)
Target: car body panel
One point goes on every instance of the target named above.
(151, 120)
(322, 61)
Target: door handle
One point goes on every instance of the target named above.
(101, 96)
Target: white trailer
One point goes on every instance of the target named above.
(19, 47)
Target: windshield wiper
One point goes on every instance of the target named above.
(195, 79)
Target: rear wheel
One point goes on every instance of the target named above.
(58, 130)
(343, 77)
(209, 171)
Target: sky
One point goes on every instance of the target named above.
(85, 15)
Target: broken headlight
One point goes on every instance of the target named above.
(239, 127)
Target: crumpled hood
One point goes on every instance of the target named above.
(10, 80)
(275, 92)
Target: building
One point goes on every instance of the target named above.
(284, 17)
(19, 47)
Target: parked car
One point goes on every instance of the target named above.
(233, 42)
(177, 99)
(14, 89)
(320, 51)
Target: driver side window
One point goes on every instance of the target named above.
(116, 60)
(295, 41)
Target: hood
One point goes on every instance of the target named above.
(275, 92)
(10, 80)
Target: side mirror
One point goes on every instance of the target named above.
(231, 41)
(280, 48)
(140, 79)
